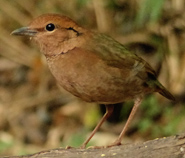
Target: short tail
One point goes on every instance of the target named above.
(164, 92)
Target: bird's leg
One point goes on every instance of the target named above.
(137, 102)
(109, 110)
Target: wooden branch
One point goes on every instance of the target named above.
(167, 147)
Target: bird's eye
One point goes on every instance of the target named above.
(50, 27)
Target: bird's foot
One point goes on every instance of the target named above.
(116, 143)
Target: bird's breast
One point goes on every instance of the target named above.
(88, 77)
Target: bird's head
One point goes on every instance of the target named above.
(50, 30)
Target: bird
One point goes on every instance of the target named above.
(93, 66)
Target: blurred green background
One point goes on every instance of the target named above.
(36, 115)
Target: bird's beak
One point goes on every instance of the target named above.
(25, 31)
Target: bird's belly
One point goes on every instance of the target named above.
(105, 92)
(94, 81)
(101, 88)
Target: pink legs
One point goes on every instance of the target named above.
(137, 102)
(109, 110)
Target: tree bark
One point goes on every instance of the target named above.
(167, 147)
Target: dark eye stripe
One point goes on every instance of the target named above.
(77, 33)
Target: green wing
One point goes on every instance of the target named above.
(116, 55)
